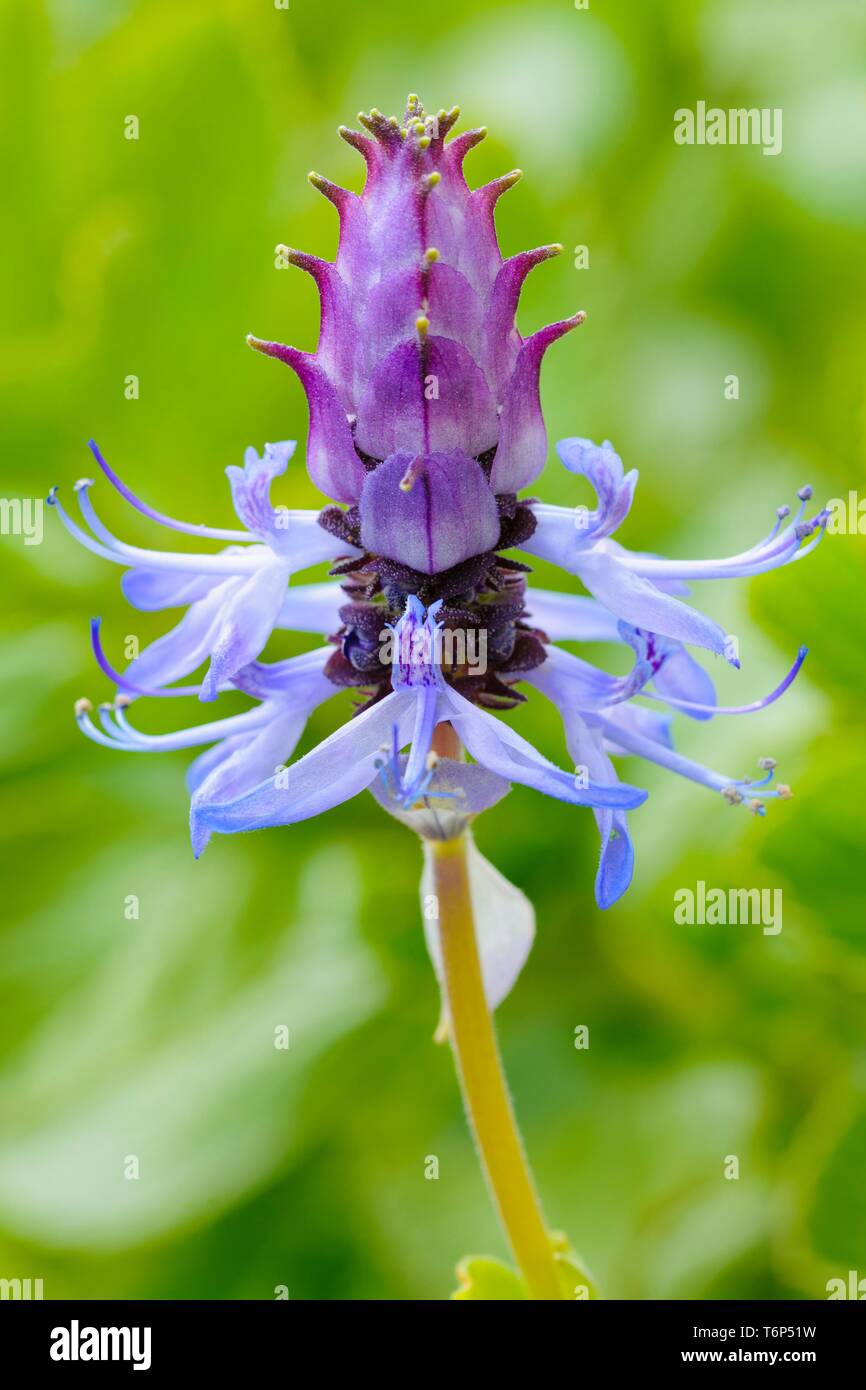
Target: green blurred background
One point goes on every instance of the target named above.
(154, 1037)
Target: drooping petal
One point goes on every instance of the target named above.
(495, 745)
(571, 617)
(428, 512)
(627, 595)
(585, 747)
(643, 605)
(312, 608)
(152, 590)
(245, 624)
(182, 650)
(337, 769)
(681, 678)
(239, 764)
(583, 686)
(299, 680)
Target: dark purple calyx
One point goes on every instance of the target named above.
(483, 605)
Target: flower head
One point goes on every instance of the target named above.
(425, 424)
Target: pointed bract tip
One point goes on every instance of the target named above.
(332, 191)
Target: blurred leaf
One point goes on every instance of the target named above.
(483, 1278)
(207, 1110)
(830, 1161)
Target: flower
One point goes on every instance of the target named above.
(425, 424)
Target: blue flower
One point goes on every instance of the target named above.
(425, 423)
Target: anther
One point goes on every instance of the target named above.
(804, 493)
(782, 512)
(431, 255)
(83, 483)
(430, 180)
(766, 764)
(412, 474)
(82, 706)
(122, 701)
(732, 795)
(783, 792)
(757, 807)
(422, 325)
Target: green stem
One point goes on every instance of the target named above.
(485, 1092)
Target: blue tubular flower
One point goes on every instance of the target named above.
(369, 746)
(639, 588)
(236, 598)
(425, 423)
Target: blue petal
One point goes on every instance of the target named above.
(337, 769)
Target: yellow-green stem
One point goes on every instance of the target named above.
(480, 1069)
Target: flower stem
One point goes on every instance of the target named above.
(485, 1092)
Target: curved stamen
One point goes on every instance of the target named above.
(131, 556)
(418, 769)
(692, 707)
(411, 784)
(89, 729)
(212, 732)
(125, 736)
(820, 522)
(214, 533)
(123, 681)
(736, 791)
(779, 549)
